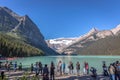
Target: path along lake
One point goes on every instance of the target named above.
(94, 61)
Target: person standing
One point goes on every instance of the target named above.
(60, 67)
(45, 73)
(40, 67)
(94, 72)
(15, 66)
(63, 65)
(72, 67)
(69, 67)
(86, 67)
(36, 69)
(11, 64)
(52, 72)
(105, 72)
(118, 71)
(32, 68)
(6, 65)
(78, 68)
(20, 67)
(112, 72)
(2, 75)
(84, 71)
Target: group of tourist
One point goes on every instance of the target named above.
(44, 71)
(60, 69)
(113, 70)
(9, 65)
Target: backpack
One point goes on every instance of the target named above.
(118, 68)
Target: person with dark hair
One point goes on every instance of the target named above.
(78, 68)
(40, 67)
(11, 64)
(15, 66)
(2, 75)
(112, 72)
(63, 65)
(118, 71)
(94, 72)
(6, 65)
(20, 67)
(36, 69)
(52, 72)
(45, 73)
(71, 67)
(59, 67)
(105, 72)
(32, 67)
(87, 67)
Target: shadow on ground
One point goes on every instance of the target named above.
(86, 78)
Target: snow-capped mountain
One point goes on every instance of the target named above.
(59, 43)
(71, 45)
(104, 33)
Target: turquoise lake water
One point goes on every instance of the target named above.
(94, 61)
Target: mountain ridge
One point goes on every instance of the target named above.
(23, 28)
(93, 36)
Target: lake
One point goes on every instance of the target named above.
(94, 61)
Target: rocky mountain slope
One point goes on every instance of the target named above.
(22, 28)
(95, 42)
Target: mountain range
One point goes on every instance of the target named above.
(20, 36)
(95, 42)
(22, 29)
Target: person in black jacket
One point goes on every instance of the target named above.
(52, 72)
(94, 72)
(40, 67)
(45, 73)
(105, 70)
(2, 75)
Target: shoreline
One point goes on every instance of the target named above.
(18, 74)
(9, 58)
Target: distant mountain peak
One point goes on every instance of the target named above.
(116, 30)
(11, 12)
(93, 30)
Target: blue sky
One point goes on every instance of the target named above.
(68, 18)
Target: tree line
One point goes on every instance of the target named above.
(12, 47)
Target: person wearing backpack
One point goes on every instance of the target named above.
(118, 71)
(94, 73)
(105, 72)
